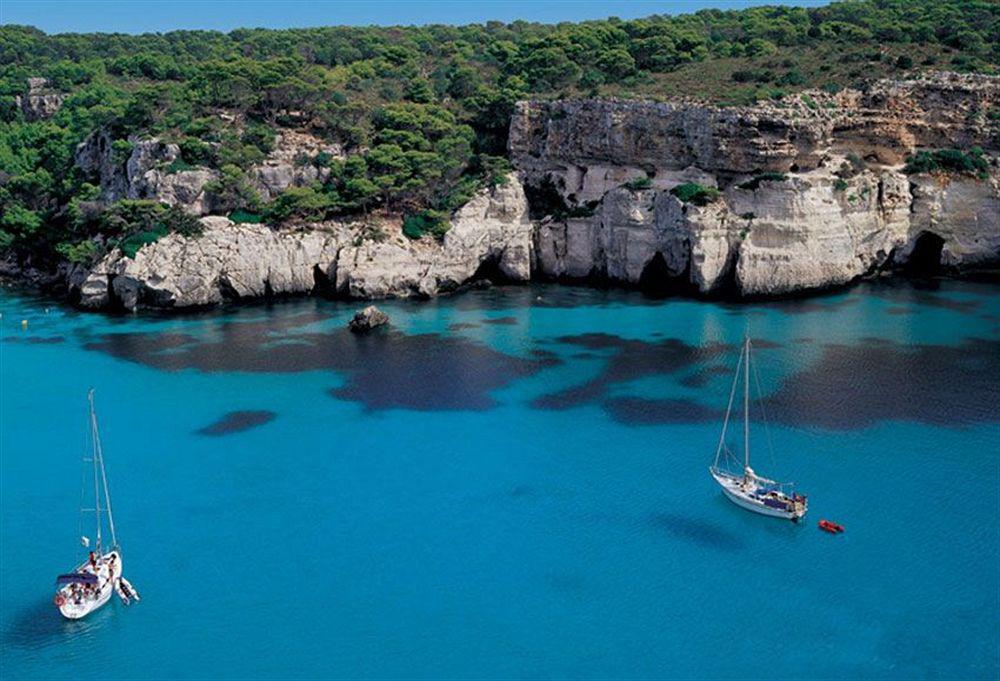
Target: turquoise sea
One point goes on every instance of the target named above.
(509, 483)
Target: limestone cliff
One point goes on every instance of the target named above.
(489, 235)
(811, 190)
(146, 172)
(804, 193)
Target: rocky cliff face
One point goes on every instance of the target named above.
(40, 101)
(812, 192)
(145, 171)
(809, 192)
(489, 236)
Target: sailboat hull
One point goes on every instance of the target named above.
(733, 490)
(73, 608)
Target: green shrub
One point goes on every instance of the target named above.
(638, 184)
(131, 245)
(127, 217)
(793, 77)
(83, 252)
(243, 217)
(232, 191)
(179, 165)
(840, 184)
(304, 203)
(426, 222)
(692, 192)
(120, 151)
(754, 183)
(950, 161)
(196, 152)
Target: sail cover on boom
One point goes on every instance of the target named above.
(77, 578)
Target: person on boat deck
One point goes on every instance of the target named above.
(92, 560)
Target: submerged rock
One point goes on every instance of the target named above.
(367, 319)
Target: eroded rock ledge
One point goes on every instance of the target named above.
(812, 190)
(490, 234)
(812, 194)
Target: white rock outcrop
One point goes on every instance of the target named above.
(230, 261)
(145, 173)
(40, 101)
(292, 163)
(492, 231)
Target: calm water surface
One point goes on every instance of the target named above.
(509, 483)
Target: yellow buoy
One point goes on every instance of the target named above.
(24, 323)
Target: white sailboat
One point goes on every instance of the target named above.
(747, 489)
(91, 584)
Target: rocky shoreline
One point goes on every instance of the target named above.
(799, 195)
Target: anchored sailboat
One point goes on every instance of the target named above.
(748, 489)
(90, 586)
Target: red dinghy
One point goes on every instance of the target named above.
(830, 526)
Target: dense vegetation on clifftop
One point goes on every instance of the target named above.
(422, 112)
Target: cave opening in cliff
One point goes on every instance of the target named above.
(658, 281)
(489, 270)
(925, 259)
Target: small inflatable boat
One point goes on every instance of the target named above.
(830, 526)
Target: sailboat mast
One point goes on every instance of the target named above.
(99, 452)
(746, 405)
(93, 458)
(104, 482)
(729, 410)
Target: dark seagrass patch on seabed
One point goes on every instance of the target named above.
(237, 422)
(630, 359)
(501, 321)
(386, 370)
(856, 386)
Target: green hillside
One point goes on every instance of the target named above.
(423, 109)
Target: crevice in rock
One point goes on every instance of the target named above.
(268, 291)
(226, 289)
(725, 283)
(322, 284)
(115, 302)
(889, 263)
